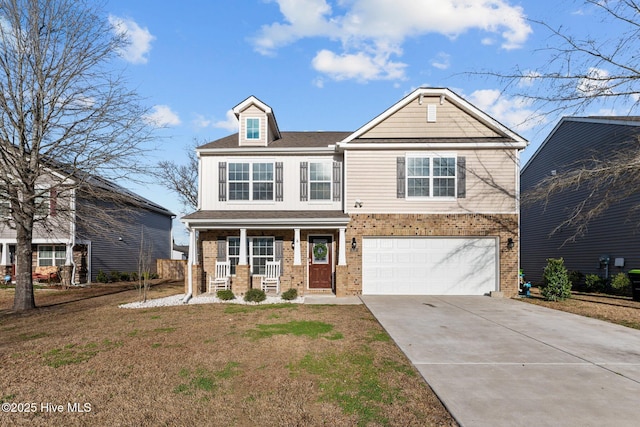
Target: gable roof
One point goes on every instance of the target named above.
(633, 121)
(504, 133)
(252, 100)
(287, 140)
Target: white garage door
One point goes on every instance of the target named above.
(428, 266)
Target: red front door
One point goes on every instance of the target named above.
(320, 267)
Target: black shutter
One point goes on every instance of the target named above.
(277, 252)
(222, 249)
(222, 181)
(462, 177)
(279, 189)
(303, 181)
(337, 189)
(400, 162)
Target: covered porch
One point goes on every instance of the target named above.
(310, 247)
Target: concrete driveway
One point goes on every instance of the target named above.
(499, 362)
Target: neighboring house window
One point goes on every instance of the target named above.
(320, 181)
(251, 181)
(431, 177)
(253, 128)
(5, 206)
(49, 255)
(42, 201)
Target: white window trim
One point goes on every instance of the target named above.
(250, 250)
(431, 156)
(53, 258)
(320, 201)
(251, 162)
(246, 128)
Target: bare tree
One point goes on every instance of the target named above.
(182, 179)
(144, 266)
(579, 73)
(65, 116)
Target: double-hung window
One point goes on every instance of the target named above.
(431, 176)
(320, 181)
(49, 255)
(251, 181)
(253, 128)
(259, 250)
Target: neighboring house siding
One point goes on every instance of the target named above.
(615, 234)
(290, 184)
(108, 253)
(411, 122)
(490, 183)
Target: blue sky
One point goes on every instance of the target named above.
(327, 65)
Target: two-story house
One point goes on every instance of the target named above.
(85, 229)
(423, 199)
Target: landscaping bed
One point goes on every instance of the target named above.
(213, 364)
(611, 308)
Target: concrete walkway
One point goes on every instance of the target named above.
(500, 362)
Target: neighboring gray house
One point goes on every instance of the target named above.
(90, 233)
(612, 243)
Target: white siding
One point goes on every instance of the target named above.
(291, 185)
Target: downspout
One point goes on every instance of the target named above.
(73, 235)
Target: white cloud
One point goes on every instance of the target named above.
(139, 39)
(162, 116)
(529, 78)
(514, 112)
(595, 83)
(369, 30)
(360, 66)
(230, 123)
(442, 61)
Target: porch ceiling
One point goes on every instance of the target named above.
(266, 219)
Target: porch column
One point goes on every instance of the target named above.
(243, 247)
(297, 257)
(4, 257)
(69, 254)
(191, 261)
(342, 248)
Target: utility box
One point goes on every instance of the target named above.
(634, 277)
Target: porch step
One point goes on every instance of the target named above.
(319, 292)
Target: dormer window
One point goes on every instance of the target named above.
(253, 128)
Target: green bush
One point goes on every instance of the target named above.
(114, 276)
(594, 283)
(576, 278)
(125, 277)
(255, 295)
(134, 276)
(225, 295)
(102, 277)
(556, 281)
(289, 295)
(620, 284)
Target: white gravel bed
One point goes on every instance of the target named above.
(204, 299)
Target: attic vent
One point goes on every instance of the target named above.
(431, 113)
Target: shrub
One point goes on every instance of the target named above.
(124, 277)
(134, 276)
(114, 276)
(225, 295)
(102, 277)
(620, 284)
(576, 278)
(556, 281)
(255, 295)
(289, 295)
(593, 283)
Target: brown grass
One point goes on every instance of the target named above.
(203, 365)
(611, 308)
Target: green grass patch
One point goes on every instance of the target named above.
(355, 382)
(72, 354)
(243, 308)
(7, 398)
(379, 336)
(28, 337)
(204, 381)
(299, 328)
(164, 330)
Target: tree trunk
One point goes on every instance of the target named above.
(24, 299)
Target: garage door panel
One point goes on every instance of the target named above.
(429, 266)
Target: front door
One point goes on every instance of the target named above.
(320, 267)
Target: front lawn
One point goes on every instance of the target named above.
(83, 361)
